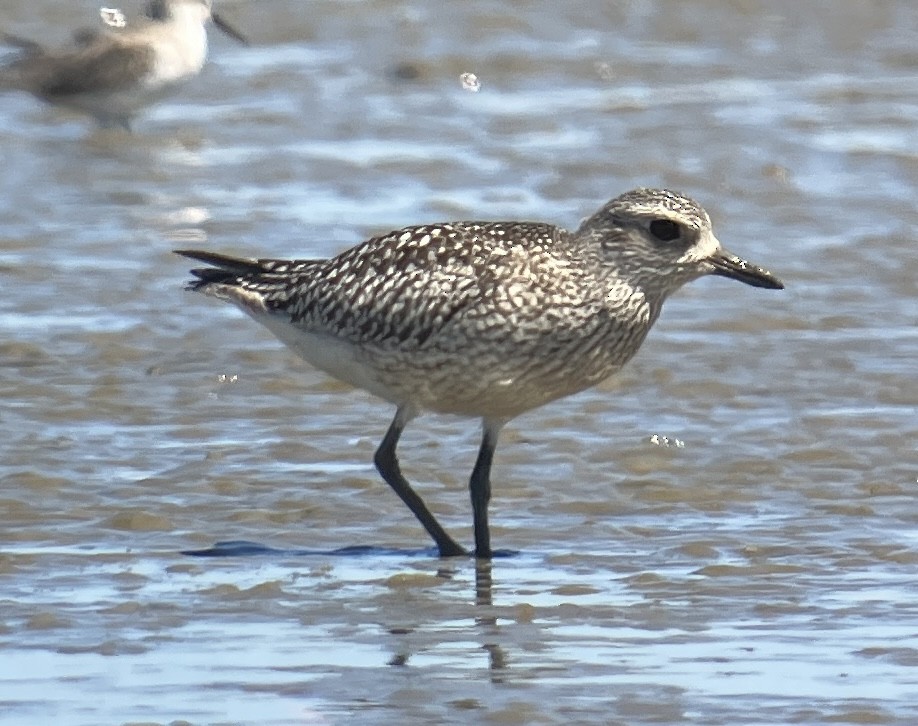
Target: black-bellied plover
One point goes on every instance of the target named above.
(110, 73)
(481, 319)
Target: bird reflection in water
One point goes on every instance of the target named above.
(485, 622)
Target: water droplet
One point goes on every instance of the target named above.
(667, 442)
(605, 71)
(470, 82)
(113, 17)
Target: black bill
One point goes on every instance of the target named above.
(228, 29)
(736, 268)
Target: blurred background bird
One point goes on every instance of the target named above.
(112, 72)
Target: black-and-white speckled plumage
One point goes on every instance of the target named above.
(484, 319)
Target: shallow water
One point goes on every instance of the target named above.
(763, 571)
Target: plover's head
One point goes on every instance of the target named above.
(666, 237)
(197, 11)
(167, 9)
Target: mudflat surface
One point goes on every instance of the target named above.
(724, 534)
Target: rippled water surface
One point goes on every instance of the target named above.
(727, 533)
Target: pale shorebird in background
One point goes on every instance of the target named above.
(112, 73)
(481, 319)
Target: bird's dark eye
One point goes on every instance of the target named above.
(664, 230)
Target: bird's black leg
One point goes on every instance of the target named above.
(480, 487)
(387, 464)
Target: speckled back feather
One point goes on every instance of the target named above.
(399, 288)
